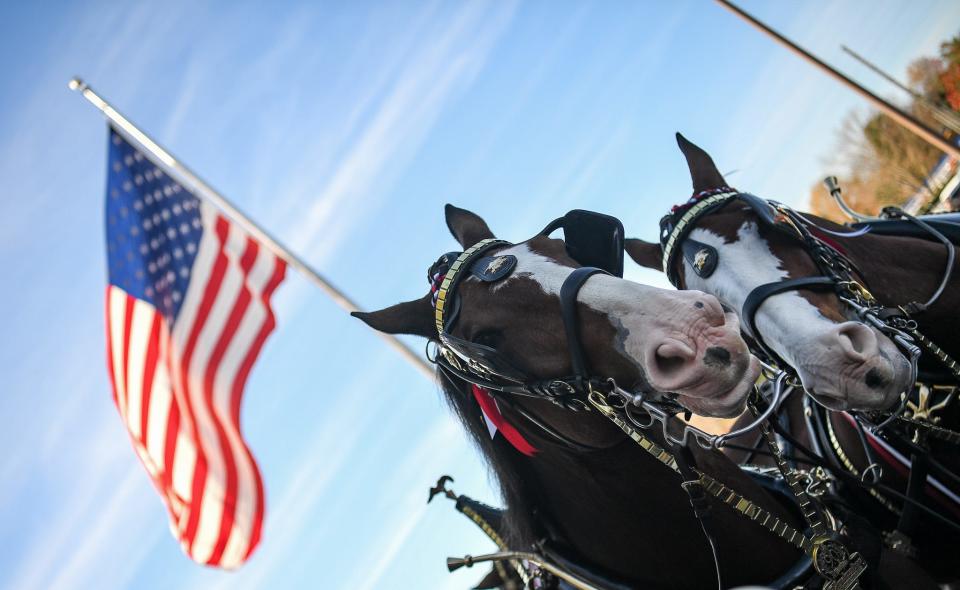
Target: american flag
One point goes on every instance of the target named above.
(188, 310)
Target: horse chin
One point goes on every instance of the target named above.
(875, 386)
(727, 404)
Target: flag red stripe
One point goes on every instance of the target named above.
(127, 323)
(240, 382)
(209, 296)
(149, 370)
(229, 331)
(170, 444)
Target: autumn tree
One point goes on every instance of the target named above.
(880, 163)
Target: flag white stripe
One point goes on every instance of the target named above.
(118, 307)
(140, 327)
(211, 509)
(250, 326)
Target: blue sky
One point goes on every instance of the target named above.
(343, 128)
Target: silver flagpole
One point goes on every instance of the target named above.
(163, 158)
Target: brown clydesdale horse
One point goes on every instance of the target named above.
(842, 362)
(613, 508)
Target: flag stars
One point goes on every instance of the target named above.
(115, 139)
(191, 247)
(128, 160)
(127, 186)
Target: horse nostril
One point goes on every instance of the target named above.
(716, 356)
(874, 379)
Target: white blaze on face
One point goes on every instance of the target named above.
(787, 321)
(665, 334)
(602, 293)
(637, 310)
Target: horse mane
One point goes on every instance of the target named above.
(520, 527)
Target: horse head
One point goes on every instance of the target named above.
(643, 337)
(744, 244)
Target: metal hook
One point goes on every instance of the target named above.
(877, 472)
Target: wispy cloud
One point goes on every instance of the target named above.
(432, 451)
(436, 74)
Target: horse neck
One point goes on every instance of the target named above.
(623, 510)
(902, 270)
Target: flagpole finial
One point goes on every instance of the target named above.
(76, 83)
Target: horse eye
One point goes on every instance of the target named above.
(489, 338)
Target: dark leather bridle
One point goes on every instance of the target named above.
(837, 272)
(588, 237)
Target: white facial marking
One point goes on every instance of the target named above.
(786, 320)
(601, 293)
(627, 305)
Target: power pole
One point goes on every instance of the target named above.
(946, 117)
(904, 119)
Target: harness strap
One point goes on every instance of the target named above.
(763, 292)
(568, 309)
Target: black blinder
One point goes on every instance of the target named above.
(703, 258)
(491, 269)
(592, 239)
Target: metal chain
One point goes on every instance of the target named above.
(938, 432)
(840, 568)
(809, 509)
(714, 487)
(949, 362)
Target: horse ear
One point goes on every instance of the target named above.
(703, 171)
(468, 228)
(645, 253)
(410, 317)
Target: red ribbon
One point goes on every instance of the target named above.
(492, 413)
